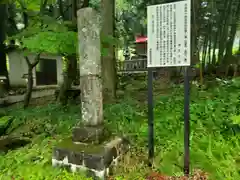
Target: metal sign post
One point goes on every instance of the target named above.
(186, 123)
(150, 118)
(169, 45)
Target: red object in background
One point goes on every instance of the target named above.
(141, 39)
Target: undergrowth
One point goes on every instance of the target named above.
(215, 141)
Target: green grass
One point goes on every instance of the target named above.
(214, 147)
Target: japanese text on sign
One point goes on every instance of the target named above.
(169, 34)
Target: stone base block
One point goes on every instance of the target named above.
(95, 160)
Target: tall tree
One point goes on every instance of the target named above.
(108, 59)
(233, 30)
(3, 31)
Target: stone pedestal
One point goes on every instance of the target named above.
(96, 160)
(91, 150)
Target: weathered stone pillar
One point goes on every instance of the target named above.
(90, 66)
(89, 149)
(91, 128)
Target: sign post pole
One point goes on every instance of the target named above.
(150, 118)
(186, 122)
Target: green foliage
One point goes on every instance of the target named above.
(215, 144)
(236, 119)
(46, 34)
(31, 4)
(52, 42)
(131, 17)
(215, 140)
(235, 51)
(105, 42)
(46, 126)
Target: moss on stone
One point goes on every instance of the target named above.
(86, 148)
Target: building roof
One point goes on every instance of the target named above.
(141, 39)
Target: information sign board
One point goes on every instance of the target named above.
(169, 34)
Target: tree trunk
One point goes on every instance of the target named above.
(224, 21)
(43, 5)
(3, 58)
(233, 32)
(85, 4)
(30, 79)
(13, 30)
(214, 58)
(196, 4)
(69, 77)
(74, 10)
(62, 97)
(24, 13)
(209, 44)
(230, 41)
(60, 5)
(204, 51)
(29, 87)
(108, 61)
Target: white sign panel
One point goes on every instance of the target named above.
(169, 34)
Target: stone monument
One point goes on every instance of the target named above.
(91, 147)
